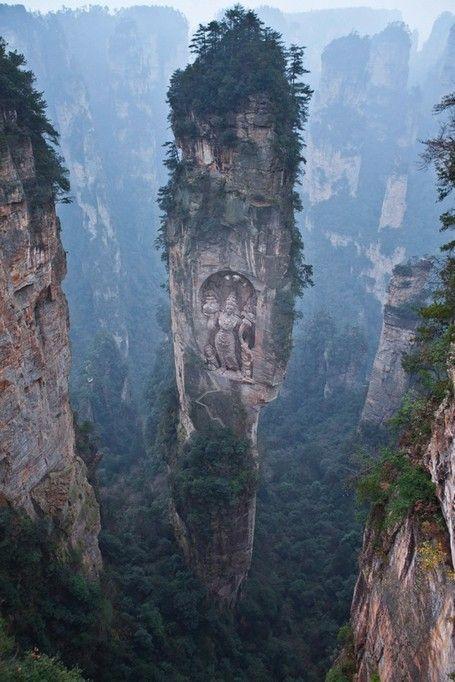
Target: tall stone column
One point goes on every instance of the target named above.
(231, 240)
(40, 472)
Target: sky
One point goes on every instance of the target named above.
(418, 14)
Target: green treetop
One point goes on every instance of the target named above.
(17, 93)
(236, 58)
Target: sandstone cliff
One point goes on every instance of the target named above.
(368, 205)
(39, 470)
(403, 611)
(388, 383)
(231, 326)
(104, 76)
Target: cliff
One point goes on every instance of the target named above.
(318, 27)
(233, 254)
(231, 340)
(39, 470)
(104, 76)
(403, 611)
(407, 291)
(368, 205)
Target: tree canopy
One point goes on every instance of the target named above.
(236, 58)
(17, 93)
(436, 334)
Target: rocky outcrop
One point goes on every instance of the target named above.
(403, 611)
(104, 75)
(39, 470)
(231, 300)
(368, 205)
(316, 28)
(407, 291)
(403, 608)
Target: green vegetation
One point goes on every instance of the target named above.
(211, 477)
(345, 666)
(33, 667)
(17, 94)
(429, 361)
(414, 419)
(304, 564)
(45, 602)
(403, 270)
(394, 482)
(396, 485)
(236, 58)
(102, 395)
(154, 621)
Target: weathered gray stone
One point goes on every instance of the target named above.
(388, 383)
(230, 331)
(39, 470)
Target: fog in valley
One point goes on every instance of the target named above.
(226, 367)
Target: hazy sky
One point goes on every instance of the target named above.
(417, 13)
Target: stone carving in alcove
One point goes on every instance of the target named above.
(228, 302)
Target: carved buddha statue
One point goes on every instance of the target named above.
(228, 321)
(230, 327)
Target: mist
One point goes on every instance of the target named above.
(418, 15)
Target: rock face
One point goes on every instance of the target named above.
(368, 205)
(230, 287)
(104, 76)
(388, 383)
(403, 611)
(39, 470)
(318, 27)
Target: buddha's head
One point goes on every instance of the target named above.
(231, 307)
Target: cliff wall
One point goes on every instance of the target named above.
(368, 205)
(231, 311)
(39, 470)
(388, 383)
(403, 611)
(104, 76)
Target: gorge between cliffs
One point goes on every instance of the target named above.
(233, 462)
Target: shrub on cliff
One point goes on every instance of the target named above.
(34, 667)
(236, 58)
(44, 600)
(18, 94)
(214, 474)
(436, 335)
(397, 485)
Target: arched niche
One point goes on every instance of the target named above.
(228, 305)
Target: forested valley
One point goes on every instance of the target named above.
(347, 432)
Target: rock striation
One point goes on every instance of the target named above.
(368, 205)
(403, 611)
(104, 76)
(407, 291)
(40, 472)
(230, 287)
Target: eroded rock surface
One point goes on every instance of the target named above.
(39, 470)
(388, 383)
(403, 611)
(104, 76)
(230, 247)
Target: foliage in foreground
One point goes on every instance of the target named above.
(45, 601)
(436, 334)
(397, 485)
(17, 93)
